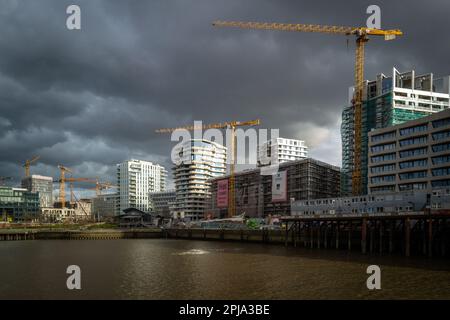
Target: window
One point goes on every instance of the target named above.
(389, 178)
(384, 157)
(440, 183)
(385, 168)
(383, 189)
(441, 147)
(383, 147)
(441, 123)
(411, 130)
(441, 159)
(440, 172)
(413, 152)
(410, 141)
(412, 164)
(413, 175)
(412, 186)
(441, 135)
(384, 136)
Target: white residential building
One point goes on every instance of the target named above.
(285, 150)
(136, 179)
(203, 160)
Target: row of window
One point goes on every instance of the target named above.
(413, 175)
(385, 168)
(384, 157)
(411, 130)
(384, 136)
(389, 178)
(441, 147)
(383, 147)
(441, 135)
(440, 183)
(441, 159)
(415, 140)
(413, 152)
(412, 186)
(440, 172)
(413, 163)
(441, 123)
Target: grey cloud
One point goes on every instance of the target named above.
(92, 98)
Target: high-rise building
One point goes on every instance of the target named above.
(285, 150)
(136, 179)
(18, 204)
(389, 101)
(43, 185)
(203, 160)
(414, 155)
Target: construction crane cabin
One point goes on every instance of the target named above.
(362, 36)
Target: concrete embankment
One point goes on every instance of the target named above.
(14, 235)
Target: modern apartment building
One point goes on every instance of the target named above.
(414, 155)
(136, 179)
(260, 195)
(284, 149)
(389, 101)
(200, 161)
(162, 202)
(43, 185)
(18, 204)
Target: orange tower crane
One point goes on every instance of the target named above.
(232, 125)
(28, 163)
(362, 36)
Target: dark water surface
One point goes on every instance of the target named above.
(179, 269)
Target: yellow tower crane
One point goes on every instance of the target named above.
(232, 125)
(27, 165)
(71, 180)
(362, 36)
(99, 186)
(62, 185)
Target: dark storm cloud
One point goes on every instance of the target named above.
(92, 98)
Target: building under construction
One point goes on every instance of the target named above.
(259, 195)
(388, 101)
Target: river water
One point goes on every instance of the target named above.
(181, 269)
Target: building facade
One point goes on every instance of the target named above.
(414, 155)
(376, 204)
(260, 195)
(136, 179)
(200, 161)
(389, 101)
(43, 185)
(162, 202)
(18, 204)
(57, 215)
(104, 206)
(284, 149)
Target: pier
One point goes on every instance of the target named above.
(418, 233)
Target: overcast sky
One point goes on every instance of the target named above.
(92, 98)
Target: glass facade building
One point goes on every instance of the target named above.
(389, 101)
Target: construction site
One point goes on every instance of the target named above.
(34, 201)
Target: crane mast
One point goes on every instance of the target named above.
(361, 34)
